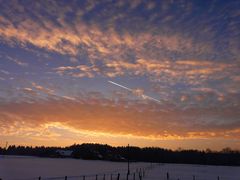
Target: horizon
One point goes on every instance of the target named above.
(145, 73)
(125, 146)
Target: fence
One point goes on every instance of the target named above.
(136, 174)
(193, 177)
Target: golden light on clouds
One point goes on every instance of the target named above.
(57, 59)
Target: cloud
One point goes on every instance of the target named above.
(42, 89)
(189, 69)
(150, 5)
(103, 49)
(95, 42)
(100, 33)
(182, 59)
(101, 115)
(5, 72)
(17, 61)
(197, 77)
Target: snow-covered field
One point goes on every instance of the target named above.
(188, 171)
(17, 167)
(20, 167)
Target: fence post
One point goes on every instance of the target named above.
(111, 177)
(133, 176)
(143, 173)
(193, 177)
(65, 177)
(104, 177)
(167, 176)
(96, 177)
(39, 178)
(127, 175)
(218, 178)
(118, 177)
(83, 177)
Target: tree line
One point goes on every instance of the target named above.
(87, 151)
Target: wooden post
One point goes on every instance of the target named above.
(133, 176)
(143, 172)
(140, 176)
(218, 178)
(193, 177)
(118, 176)
(83, 177)
(65, 177)
(39, 178)
(127, 176)
(111, 177)
(104, 177)
(167, 176)
(96, 177)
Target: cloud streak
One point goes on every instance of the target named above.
(137, 92)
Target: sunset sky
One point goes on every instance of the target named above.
(57, 58)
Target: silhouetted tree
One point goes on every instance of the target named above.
(226, 156)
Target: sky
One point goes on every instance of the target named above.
(145, 73)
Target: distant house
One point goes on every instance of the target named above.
(66, 153)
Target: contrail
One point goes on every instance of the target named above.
(121, 86)
(151, 98)
(133, 91)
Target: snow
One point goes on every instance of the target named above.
(17, 167)
(23, 167)
(187, 171)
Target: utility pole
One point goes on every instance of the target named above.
(128, 172)
(6, 146)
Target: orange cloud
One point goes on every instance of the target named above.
(43, 89)
(156, 70)
(101, 116)
(67, 39)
